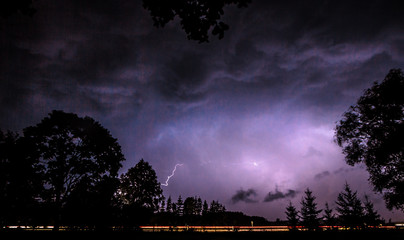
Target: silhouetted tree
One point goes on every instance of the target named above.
(370, 217)
(139, 187)
(180, 206)
(372, 132)
(216, 207)
(292, 216)
(205, 208)
(197, 17)
(91, 206)
(328, 217)
(163, 205)
(72, 151)
(189, 206)
(174, 208)
(309, 211)
(139, 194)
(349, 208)
(190, 215)
(169, 207)
(198, 206)
(20, 181)
(193, 206)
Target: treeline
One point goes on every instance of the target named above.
(194, 211)
(64, 172)
(351, 212)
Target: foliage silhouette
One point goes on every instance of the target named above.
(139, 187)
(372, 131)
(328, 216)
(197, 17)
(309, 212)
(169, 206)
(370, 217)
(292, 216)
(351, 212)
(20, 181)
(205, 208)
(139, 194)
(197, 213)
(75, 153)
(91, 206)
(216, 207)
(180, 206)
(349, 208)
(192, 206)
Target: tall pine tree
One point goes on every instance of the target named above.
(205, 208)
(328, 216)
(180, 206)
(371, 216)
(309, 211)
(292, 215)
(169, 207)
(198, 207)
(349, 208)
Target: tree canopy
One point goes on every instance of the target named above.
(372, 132)
(139, 187)
(197, 17)
(74, 153)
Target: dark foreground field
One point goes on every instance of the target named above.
(341, 235)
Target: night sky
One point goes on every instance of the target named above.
(251, 116)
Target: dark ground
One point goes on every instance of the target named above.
(341, 235)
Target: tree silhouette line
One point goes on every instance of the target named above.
(64, 172)
(351, 212)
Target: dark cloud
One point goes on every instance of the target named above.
(326, 23)
(321, 175)
(245, 56)
(345, 170)
(270, 197)
(16, 70)
(182, 77)
(97, 59)
(313, 152)
(244, 196)
(343, 21)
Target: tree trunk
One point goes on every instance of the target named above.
(58, 212)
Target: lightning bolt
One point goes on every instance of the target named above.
(172, 174)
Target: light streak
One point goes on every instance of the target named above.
(172, 174)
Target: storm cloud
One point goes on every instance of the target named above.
(321, 175)
(244, 196)
(272, 196)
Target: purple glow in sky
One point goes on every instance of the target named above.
(251, 117)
